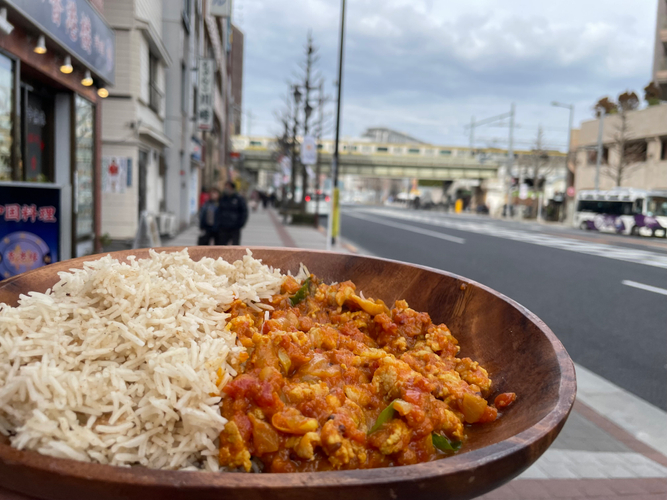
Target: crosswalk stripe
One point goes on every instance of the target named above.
(642, 286)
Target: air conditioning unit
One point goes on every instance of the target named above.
(167, 223)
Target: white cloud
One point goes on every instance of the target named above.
(426, 66)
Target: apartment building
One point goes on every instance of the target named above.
(133, 118)
(660, 51)
(644, 163)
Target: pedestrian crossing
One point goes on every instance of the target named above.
(636, 256)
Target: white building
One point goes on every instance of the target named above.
(133, 138)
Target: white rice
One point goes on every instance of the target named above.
(118, 363)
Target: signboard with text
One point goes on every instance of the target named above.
(309, 150)
(205, 94)
(77, 27)
(29, 228)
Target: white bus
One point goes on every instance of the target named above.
(623, 211)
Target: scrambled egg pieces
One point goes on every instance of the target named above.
(321, 371)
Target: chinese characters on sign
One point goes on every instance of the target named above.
(205, 95)
(77, 27)
(29, 228)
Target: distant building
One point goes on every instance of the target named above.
(237, 80)
(660, 51)
(647, 142)
(389, 136)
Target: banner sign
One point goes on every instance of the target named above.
(77, 27)
(309, 150)
(205, 94)
(29, 228)
(114, 174)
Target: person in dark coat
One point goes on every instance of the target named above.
(207, 218)
(231, 216)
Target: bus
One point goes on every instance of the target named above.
(623, 211)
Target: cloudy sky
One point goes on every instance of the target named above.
(425, 67)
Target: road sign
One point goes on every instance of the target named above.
(571, 191)
(309, 151)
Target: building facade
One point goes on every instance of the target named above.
(56, 61)
(645, 162)
(237, 80)
(133, 138)
(660, 50)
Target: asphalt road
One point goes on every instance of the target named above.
(615, 330)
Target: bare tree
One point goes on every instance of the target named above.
(628, 153)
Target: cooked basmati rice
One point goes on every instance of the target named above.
(118, 363)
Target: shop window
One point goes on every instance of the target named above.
(83, 169)
(6, 117)
(37, 136)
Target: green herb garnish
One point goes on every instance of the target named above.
(444, 444)
(302, 293)
(385, 416)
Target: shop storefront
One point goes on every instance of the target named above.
(56, 60)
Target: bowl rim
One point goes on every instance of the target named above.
(193, 480)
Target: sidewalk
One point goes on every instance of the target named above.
(613, 446)
(265, 229)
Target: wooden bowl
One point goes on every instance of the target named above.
(521, 353)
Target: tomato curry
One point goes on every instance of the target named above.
(336, 381)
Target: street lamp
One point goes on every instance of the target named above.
(569, 134)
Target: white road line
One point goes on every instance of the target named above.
(427, 232)
(642, 286)
(637, 256)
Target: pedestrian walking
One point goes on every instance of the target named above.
(207, 216)
(231, 216)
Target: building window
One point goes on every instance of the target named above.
(414, 151)
(37, 136)
(382, 150)
(635, 151)
(593, 156)
(663, 148)
(255, 143)
(445, 152)
(398, 151)
(155, 96)
(83, 169)
(6, 117)
(187, 8)
(184, 89)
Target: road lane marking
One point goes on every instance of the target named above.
(418, 230)
(643, 257)
(642, 286)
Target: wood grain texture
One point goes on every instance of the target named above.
(519, 350)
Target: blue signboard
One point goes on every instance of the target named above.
(77, 27)
(29, 228)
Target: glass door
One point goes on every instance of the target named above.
(84, 156)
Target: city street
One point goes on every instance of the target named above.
(603, 295)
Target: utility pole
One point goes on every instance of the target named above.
(598, 161)
(335, 212)
(310, 53)
(472, 136)
(295, 130)
(320, 103)
(510, 163)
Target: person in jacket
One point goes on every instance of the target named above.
(231, 216)
(207, 218)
